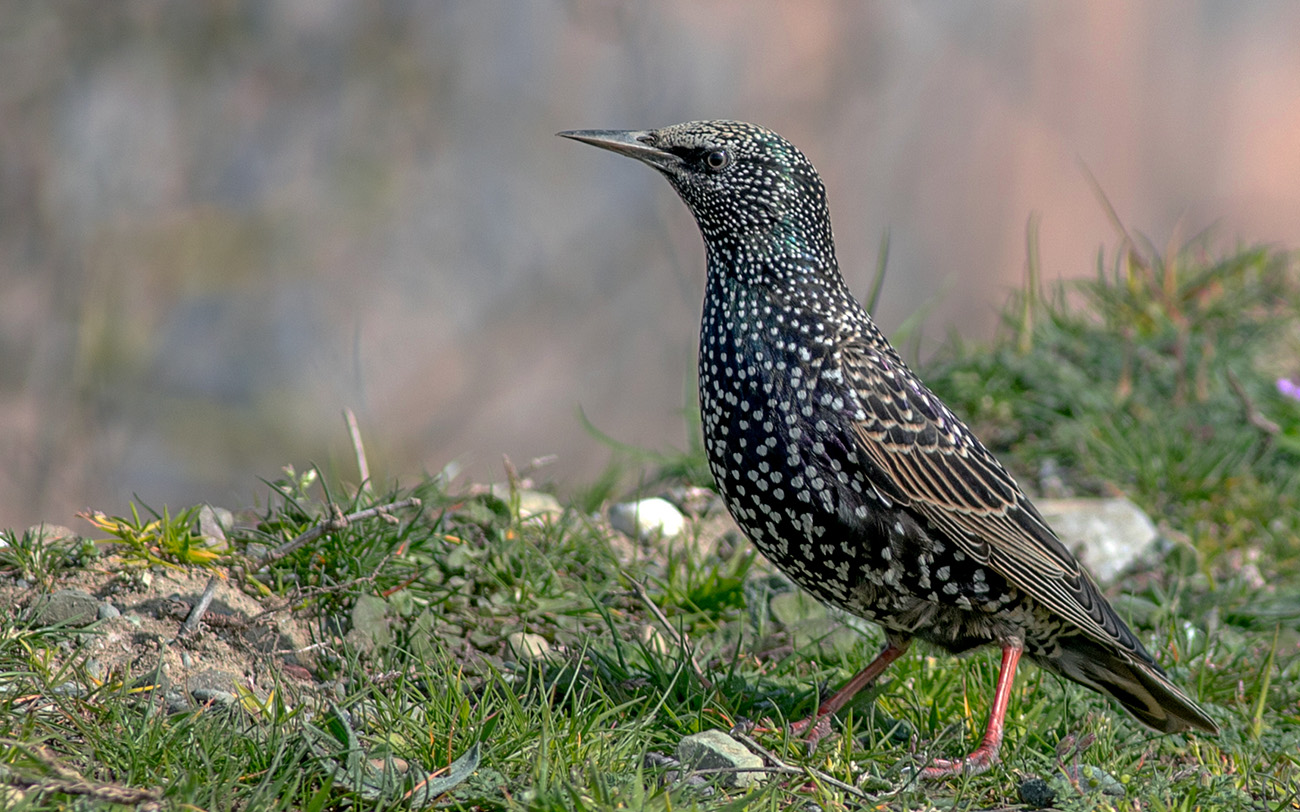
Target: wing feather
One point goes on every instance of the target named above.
(939, 469)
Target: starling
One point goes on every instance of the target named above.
(848, 473)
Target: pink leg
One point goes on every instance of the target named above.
(986, 755)
(819, 724)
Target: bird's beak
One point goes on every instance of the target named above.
(632, 143)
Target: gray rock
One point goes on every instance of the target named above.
(176, 702)
(95, 669)
(69, 689)
(1091, 780)
(70, 607)
(713, 749)
(213, 686)
(212, 696)
(647, 518)
(371, 628)
(107, 611)
(1108, 535)
(51, 533)
(213, 523)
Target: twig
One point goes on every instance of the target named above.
(337, 522)
(363, 468)
(781, 766)
(302, 593)
(70, 782)
(191, 623)
(679, 638)
(1254, 416)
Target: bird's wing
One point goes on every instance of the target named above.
(937, 467)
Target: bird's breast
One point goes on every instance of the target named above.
(775, 432)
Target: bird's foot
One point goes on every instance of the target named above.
(977, 762)
(812, 729)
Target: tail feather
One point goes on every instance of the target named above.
(1142, 688)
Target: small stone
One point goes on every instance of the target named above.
(647, 518)
(531, 503)
(529, 648)
(212, 696)
(713, 749)
(213, 523)
(1036, 793)
(213, 686)
(400, 766)
(371, 628)
(50, 533)
(108, 611)
(69, 689)
(1108, 535)
(654, 760)
(68, 607)
(1090, 779)
(176, 702)
(95, 669)
(654, 641)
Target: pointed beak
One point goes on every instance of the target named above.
(632, 143)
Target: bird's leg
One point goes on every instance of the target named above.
(819, 724)
(984, 756)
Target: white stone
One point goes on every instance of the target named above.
(529, 647)
(647, 518)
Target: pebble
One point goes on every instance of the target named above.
(1090, 779)
(213, 686)
(1036, 793)
(214, 696)
(68, 607)
(647, 518)
(713, 749)
(108, 611)
(654, 641)
(532, 504)
(50, 533)
(528, 647)
(213, 523)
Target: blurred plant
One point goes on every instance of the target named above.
(40, 552)
(1139, 378)
(1288, 388)
(166, 540)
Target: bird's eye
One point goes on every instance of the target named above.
(717, 160)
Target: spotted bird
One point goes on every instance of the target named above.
(847, 472)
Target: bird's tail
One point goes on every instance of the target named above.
(1142, 688)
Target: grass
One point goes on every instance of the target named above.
(1156, 379)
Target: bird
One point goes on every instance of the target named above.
(848, 473)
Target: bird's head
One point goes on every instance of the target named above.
(747, 186)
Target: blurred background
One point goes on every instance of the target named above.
(223, 222)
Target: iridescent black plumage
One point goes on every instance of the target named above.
(844, 469)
